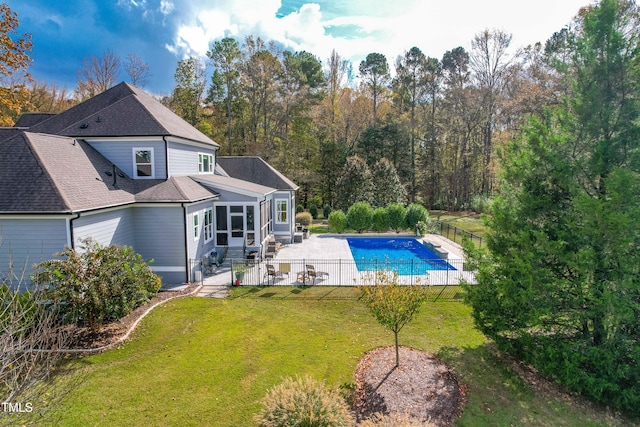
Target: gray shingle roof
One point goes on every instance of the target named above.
(46, 173)
(256, 170)
(233, 184)
(123, 110)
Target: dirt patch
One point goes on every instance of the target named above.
(422, 386)
(85, 338)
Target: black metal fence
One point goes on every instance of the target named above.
(456, 234)
(340, 272)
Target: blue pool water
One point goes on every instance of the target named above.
(403, 255)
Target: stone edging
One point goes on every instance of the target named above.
(126, 335)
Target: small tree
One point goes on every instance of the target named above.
(326, 210)
(380, 220)
(338, 221)
(416, 213)
(359, 216)
(397, 214)
(393, 305)
(96, 283)
(313, 210)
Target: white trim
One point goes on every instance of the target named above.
(195, 225)
(125, 139)
(212, 164)
(135, 163)
(168, 269)
(286, 211)
(40, 216)
(210, 225)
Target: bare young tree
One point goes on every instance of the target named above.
(98, 74)
(137, 69)
(34, 375)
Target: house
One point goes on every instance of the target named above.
(121, 168)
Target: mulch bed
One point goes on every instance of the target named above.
(422, 386)
(109, 333)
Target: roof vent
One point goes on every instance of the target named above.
(98, 119)
(84, 126)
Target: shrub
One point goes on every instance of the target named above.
(313, 210)
(380, 220)
(304, 218)
(482, 204)
(303, 402)
(396, 213)
(359, 216)
(415, 213)
(299, 208)
(337, 221)
(326, 210)
(97, 283)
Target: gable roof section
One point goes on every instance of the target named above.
(256, 170)
(24, 184)
(123, 110)
(80, 173)
(27, 120)
(175, 189)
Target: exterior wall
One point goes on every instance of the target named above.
(284, 229)
(27, 241)
(159, 235)
(183, 159)
(114, 227)
(120, 152)
(198, 247)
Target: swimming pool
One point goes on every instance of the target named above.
(403, 255)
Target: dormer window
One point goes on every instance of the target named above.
(205, 163)
(143, 163)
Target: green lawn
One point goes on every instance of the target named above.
(197, 361)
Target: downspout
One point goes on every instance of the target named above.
(166, 156)
(71, 237)
(186, 243)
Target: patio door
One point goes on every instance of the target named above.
(236, 219)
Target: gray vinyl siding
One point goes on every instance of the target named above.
(159, 235)
(283, 229)
(183, 159)
(121, 154)
(25, 242)
(107, 228)
(197, 246)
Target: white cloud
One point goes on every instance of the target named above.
(390, 28)
(166, 7)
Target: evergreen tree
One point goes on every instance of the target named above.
(354, 184)
(560, 284)
(387, 186)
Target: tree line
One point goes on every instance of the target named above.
(438, 121)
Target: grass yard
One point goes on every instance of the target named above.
(197, 361)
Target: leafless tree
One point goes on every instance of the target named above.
(137, 69)
(98, 75)
(34, 376)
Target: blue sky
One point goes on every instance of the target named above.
(161, 32)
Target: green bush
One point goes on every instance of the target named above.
(482, 204)
(313, 210)
(326, 210)
(97, 284)
(337, 221)
(299, 208)
(415, 213)
(304, 218)
(303, 402)
(359, 216)
(396, 214)
(380, 220)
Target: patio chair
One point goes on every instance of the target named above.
(207, 265)
(284, 268)
(271, 272)
(313, 274)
